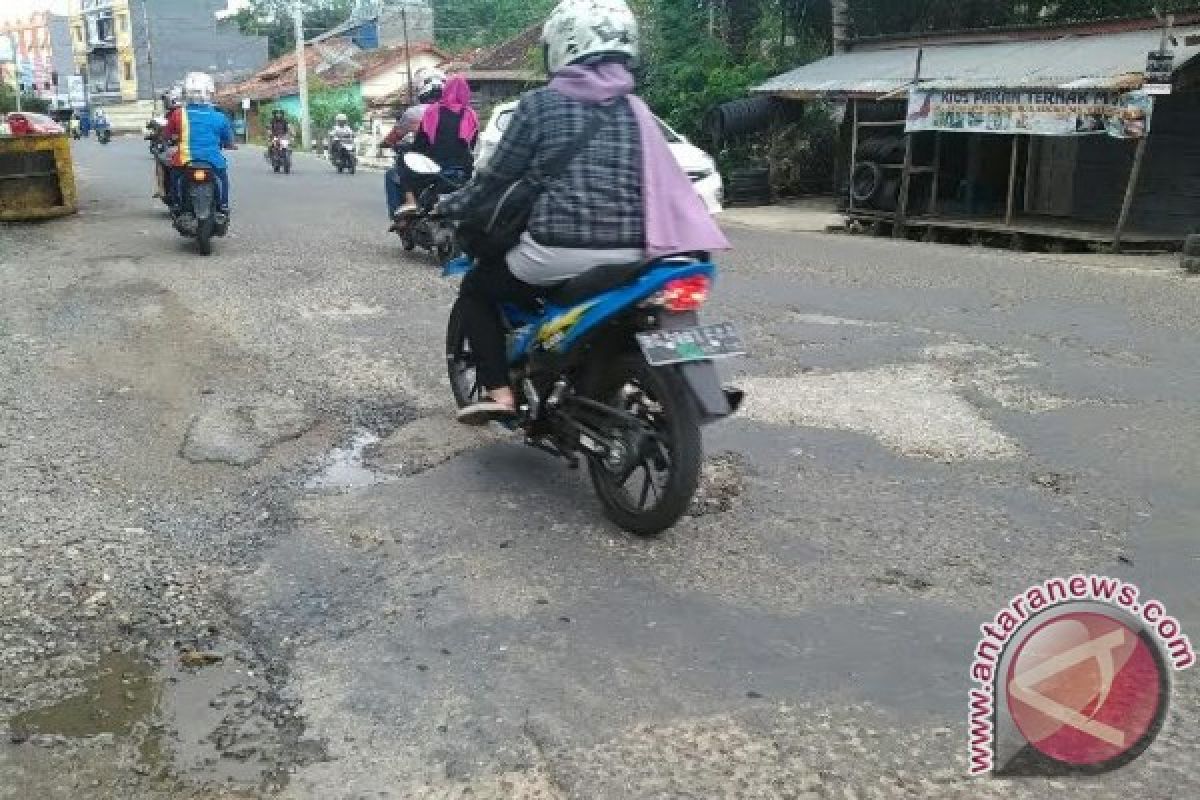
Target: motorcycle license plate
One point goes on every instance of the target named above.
(701, 343)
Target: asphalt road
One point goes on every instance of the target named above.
(250, 457)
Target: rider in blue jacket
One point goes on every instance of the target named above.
(203, 132)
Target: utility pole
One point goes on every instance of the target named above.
(841, 25)
(302, 75)
(16, 68)
(407, 55)
(150, 60)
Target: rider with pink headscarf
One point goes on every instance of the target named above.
(447, 133)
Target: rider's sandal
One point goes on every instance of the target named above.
(485, 411)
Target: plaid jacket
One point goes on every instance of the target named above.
(596, 202)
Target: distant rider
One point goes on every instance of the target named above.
(202, 132)
(279, 124)
(342, 135)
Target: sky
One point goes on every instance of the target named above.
(15, 9)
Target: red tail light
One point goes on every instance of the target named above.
(685, 294)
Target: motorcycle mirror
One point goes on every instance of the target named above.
(422, 165)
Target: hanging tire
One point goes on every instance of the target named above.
(662, 401)
(866, 182)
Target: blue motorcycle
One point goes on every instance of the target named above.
(614, 366)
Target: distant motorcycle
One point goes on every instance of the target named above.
(198, 214)
(104, 134)
(421, 228)
(342, 155)
(279, 154)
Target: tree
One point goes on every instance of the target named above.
(29, 102)
(273, 19)
(479, 23)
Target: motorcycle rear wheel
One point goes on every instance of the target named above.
(204, 234)
(668, 466)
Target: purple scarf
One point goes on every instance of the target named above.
(676, 218)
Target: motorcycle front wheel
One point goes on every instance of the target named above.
(460, 361)
(647, 491)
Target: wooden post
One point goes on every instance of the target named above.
(1130, 191)
(898, 230)
(902, 202)
(1029, 142)
(937, 173)
(853, 152)
(1011, 210)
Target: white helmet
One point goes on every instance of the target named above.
(341, 119)
(580, 30)
(430, 83)
(198, 87)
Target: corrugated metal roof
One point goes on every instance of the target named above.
(1110, 61)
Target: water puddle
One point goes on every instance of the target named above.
(344, 467)
(118, 694)
(217, 725)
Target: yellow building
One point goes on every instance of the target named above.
(103, 43)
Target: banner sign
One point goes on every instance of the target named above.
(1040, 112)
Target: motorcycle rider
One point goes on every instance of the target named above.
(624, 199)
(202, 132)
(447, 134)
(100, 123)
(432, 85)
(342, 135)
(279, 127)
(172, 103)
(279, 124)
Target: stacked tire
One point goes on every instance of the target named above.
(749, 187)
(1191, 254)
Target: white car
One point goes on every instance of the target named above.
(698, 164)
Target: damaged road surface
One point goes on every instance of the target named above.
(245, 551)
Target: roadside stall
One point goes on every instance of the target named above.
(37, 177)
(1033, 137)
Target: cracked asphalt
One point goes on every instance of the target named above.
(245, 552)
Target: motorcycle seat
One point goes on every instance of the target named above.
(599, 280)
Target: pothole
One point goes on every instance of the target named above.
(721, 483)
(344, 466)
(118, 693)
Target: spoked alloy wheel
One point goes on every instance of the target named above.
(647, 491)
(460, 362)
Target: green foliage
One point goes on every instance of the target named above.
(273, 19)
(460, 24)
(877, 17)
(324, 103)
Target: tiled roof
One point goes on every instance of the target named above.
(336, 61)
(510, 55)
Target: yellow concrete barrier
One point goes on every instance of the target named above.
(37, 177)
